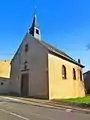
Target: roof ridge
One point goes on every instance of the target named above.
(60, 52)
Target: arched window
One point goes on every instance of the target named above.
(63, 72)
(74, 74)
(80, 75)
(37, 31)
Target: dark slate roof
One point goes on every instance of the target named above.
(60, 53)
(34, 24)
(54, 51)
(87, 72)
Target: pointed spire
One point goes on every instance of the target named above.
(35, 12)
(34, 30)
(35, 23)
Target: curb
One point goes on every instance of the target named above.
(56, 106)
(48, 104)
(72, 108)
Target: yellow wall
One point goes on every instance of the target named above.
(5, 68)
(60, 88)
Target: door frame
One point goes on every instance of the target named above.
(22, 84)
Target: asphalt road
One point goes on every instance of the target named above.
(10, 110)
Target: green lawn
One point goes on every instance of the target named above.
(85, 100)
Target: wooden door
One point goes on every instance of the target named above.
(24, 84)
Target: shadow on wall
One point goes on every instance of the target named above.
(88, 91)
(14, 94)
(87, 81)
(4, 85)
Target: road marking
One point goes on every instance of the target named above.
(14, 114)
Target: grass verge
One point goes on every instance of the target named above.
(85, 100)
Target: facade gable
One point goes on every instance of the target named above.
(34, 62)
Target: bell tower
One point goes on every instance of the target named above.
(35, 30)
